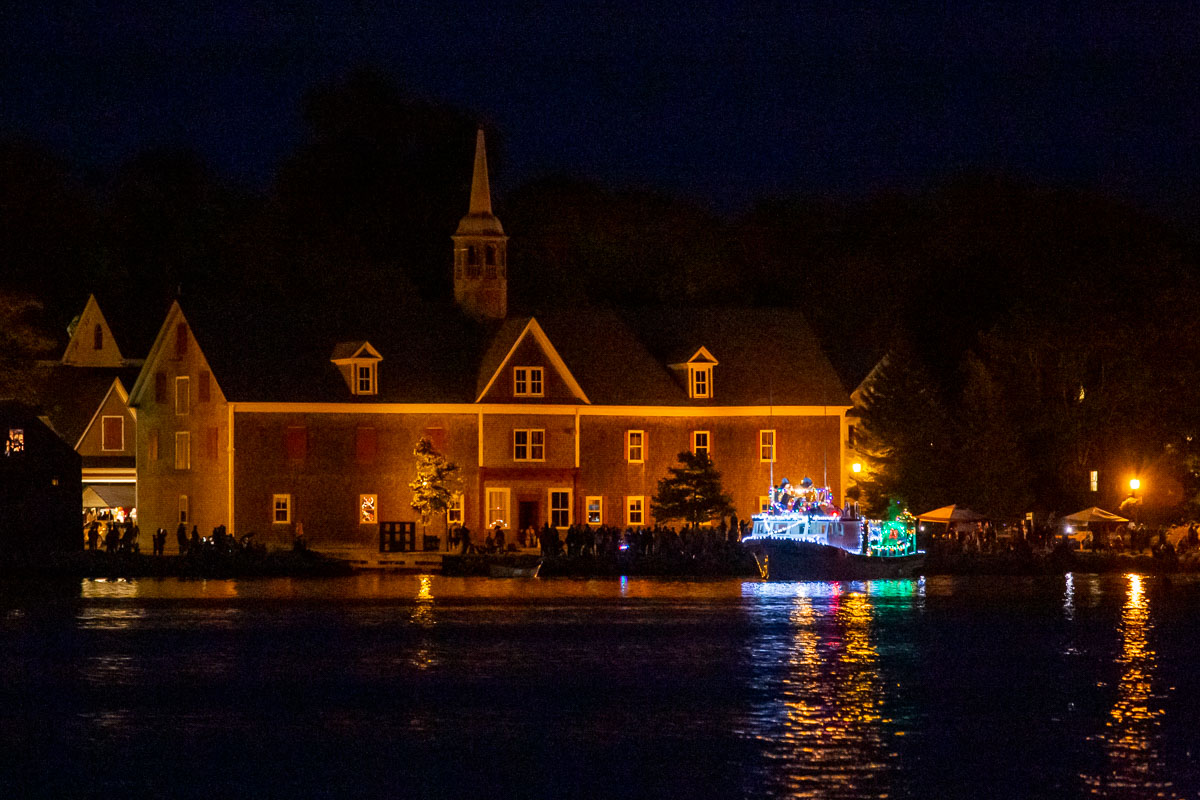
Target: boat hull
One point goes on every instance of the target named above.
(786, 560)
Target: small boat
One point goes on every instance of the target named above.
(511, 571)
(817, 541)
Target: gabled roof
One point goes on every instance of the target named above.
(531, 329)
(116, 387)
(74, 395)
(346, 351)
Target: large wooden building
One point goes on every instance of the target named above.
(270, 420)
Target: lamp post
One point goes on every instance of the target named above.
(1134, 485)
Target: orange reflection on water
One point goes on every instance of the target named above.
(1132, 732)
(829, 741)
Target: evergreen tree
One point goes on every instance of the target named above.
(692, 492)
(436, 483)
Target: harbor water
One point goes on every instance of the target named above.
(385, 685)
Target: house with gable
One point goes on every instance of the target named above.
(264, 421)
(86, 404)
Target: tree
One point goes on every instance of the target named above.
(436, 483)
(691, 492)
(21, 343)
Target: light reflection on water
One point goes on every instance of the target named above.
(823, 727)
(1131, 738)
(810, 689)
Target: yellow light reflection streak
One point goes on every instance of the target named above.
(1132, 733)
(422, 616)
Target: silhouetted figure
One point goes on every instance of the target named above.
(194, 542)
(464, 538)
(181, 538)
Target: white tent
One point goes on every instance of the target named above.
(952, 513)
(1093, 514)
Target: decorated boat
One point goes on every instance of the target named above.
(804, 536)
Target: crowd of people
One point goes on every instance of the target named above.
(113, 536)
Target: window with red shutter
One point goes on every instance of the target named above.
(181, 339)
(365, 445)
(203, 387)
(297, 442)
(160, 387)
(112, 433)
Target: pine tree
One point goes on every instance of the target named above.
(692, 492)
(436, 483)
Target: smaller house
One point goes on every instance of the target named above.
(40, 486)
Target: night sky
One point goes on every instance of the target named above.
(720, 102)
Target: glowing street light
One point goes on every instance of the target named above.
(1134, 484)
(856, 467)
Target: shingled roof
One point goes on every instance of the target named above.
(432, 353)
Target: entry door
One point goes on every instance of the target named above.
(527, 514)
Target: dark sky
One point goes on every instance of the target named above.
(721, 102)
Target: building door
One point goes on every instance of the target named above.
(527, 514)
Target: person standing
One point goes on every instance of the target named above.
(181, 538)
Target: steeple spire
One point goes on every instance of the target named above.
(480, 261)
(481, 194)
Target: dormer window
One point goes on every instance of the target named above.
(359, 365)
(364, 382)
(527, 382)
(699, 374)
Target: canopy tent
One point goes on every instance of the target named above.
(952, 513)
(1093, 514)
(110, 496)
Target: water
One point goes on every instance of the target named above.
(425, 686)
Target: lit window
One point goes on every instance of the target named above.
(183, 450)
(454, 513)
(364, 378)
(764, 503)
(527, 381)
(766, 445)
(595, 510)
(1094, 480)
(701, 383)
(635, 446)
(112, 433)
(700, 443)
(282, 504)
(183, 398)
(560, 508)
(497, 507)
(368, 509)
(15, 443)
(529, 444)
(635, 510)
(183, 508)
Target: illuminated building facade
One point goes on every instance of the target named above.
(561, 416)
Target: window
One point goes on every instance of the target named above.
(701, 380)
(368, 509)
(160, 387)
(15, 443)
(594, 506)
(364, 378)
(560, 508)
(454, 514)
(766, 445)
(98, 337)
(112, 433)
(700, 443)
(212, 442)
(529, 444)
(152, 445)
(364, 445)
(497, 507)
(181, 339)
(203, 388)
(183, 509)
(764, 503)
(296, 442)
(635, 446)
(635, 510)
(1094, 480)
(183, 450)
(527, 381)
(282, 509)
(183, 395)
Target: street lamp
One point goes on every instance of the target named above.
(1134, 485)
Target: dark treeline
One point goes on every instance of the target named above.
(1035, 332)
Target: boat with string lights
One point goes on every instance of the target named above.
(804, 536)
